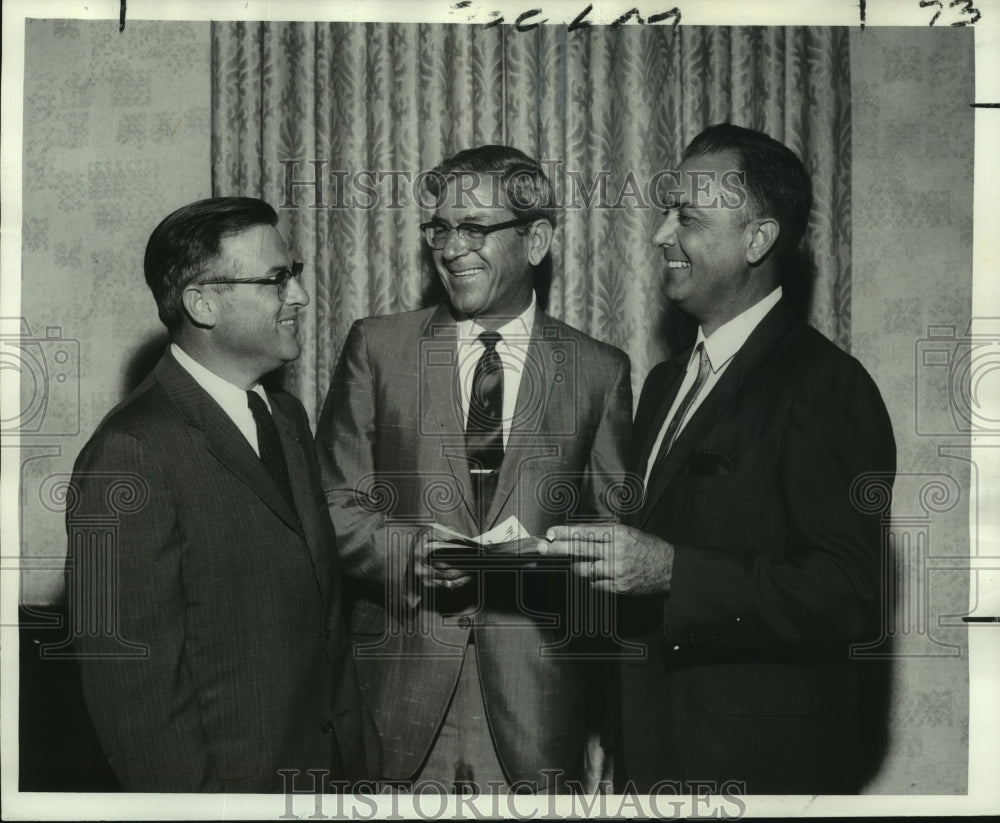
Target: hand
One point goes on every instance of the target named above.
(598, 766)
(617, 559)
(435, 574)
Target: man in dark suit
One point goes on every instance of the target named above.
(750, 568)
(227, 659)
(465, 415)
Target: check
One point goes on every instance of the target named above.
(507, 546)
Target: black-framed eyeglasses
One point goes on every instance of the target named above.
(472, 235)
(280, 280)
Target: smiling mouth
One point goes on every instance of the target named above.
(290, 321)
(465, 272)
(678, 264)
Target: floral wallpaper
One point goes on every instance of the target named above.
(912, 282)
(116, 135)
(604, 110)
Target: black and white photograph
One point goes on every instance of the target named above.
(500, 410)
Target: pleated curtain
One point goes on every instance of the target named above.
(600, 107)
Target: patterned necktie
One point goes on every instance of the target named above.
(682, 409)
(269, 445)
(484, 428)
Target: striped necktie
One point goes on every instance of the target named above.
(484, 428)
(685, 405)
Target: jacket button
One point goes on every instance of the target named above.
(464, 622)
(326, 634)
(327, 727)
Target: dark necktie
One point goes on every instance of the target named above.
(484, 428)
(682, 409)
(269, 445)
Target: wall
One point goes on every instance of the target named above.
(912, 146)
(117, 133)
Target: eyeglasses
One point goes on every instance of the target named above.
(279, 280)
(472, 235)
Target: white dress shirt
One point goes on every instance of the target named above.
(721, 347)
(230, 397)
(513, 351)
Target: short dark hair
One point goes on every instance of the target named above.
(188, 241)
(777, 183)
(525, 187)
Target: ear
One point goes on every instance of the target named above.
(539, 240)
(763, 235)
(200, 306)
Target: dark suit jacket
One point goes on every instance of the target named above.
(776, 571)
(393, 428)
(231, 599)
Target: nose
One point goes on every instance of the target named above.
(665, 234)
(296, 295)
(453, 246)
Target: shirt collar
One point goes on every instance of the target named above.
(518, 327)
(226, 394)
(729, 338)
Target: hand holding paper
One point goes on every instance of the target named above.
(507, 546)
(510, 529)
(616, 559)
(430, 570)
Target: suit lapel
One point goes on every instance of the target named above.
(298, 475)
(663, 399)
(762, 340)
(692, 434)
(538, 401)
(441, 406)
(222, 438)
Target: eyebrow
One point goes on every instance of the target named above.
(442, 222)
